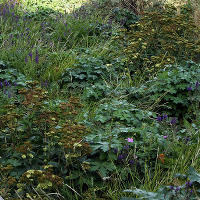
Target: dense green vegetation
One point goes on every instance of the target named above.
(99, 103)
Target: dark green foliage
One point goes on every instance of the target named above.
(86, 72)
(175, 87)
(124, 17)
(114, 122)
(159, 38)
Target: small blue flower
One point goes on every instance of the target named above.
(187, 139)
(188, 184)
(120, 157)
(6, 82)
(9, 95)
(115, 150)
(159, 118)
(37, 57)
(171, 187)
(173, 121)
(189, 88)
(165, 116)
(126, 147)
(197, 84)
(31, 55)
(131, 162)
(177, 189)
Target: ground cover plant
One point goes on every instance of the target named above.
(99, 104)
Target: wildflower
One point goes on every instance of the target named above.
(130, 139)
(187, 139)
(177, 189)
(6, 82)
(26, 59)
(165, 116)
(171, 187)
(188, 184)
(9, 95)
(159, 119)
(31, 55)
(165, 136)
(126, 147)
(37, 57)
(173, 121)
(189, 88)
(46, 84)
(131, 162)
(65, 24)
(120, 157)
(115, 150)
(23, 156)
(197, 84)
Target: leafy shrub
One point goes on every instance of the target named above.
(46, 140)
(159, 38)
(86, 72)
(111, 124)
(125, 17)
(176, 87)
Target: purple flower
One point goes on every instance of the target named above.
(12, 6)
(31, 55)
(165, 136)
(17, 18)
(189, 88)
(9, 95)
(171, 187)
(173, 121)
(120, 157)
(1, 85)
(26, 59)
(159, 118)
(5, 83)
(131, 162)
(37, 57)
(126, 147)
(164, 116)
(65, 25)
(115, 150)
(188, 184)
(177, 189)
(197, 84)
(130, 139)
(187, 139)
(46, 84)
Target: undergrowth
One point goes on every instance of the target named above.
(99, 104)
